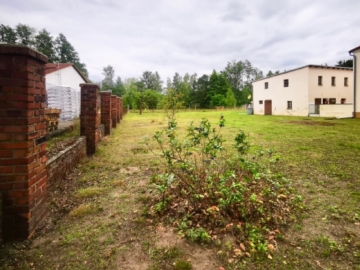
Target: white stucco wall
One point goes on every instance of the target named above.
(337, 110)
(297, 92)
(326, 90)
(357, 68)
(69, 77)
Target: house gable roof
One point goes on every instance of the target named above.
(355, 49)
(52, 67)
(309, 66)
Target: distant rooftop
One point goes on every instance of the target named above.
(52, 67)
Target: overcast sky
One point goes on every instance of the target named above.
(194, 35)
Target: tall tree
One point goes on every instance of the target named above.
(66, 53)
(151, 99)
(230, 99)
(152, 81)
(108, 81)
(130, 93)
(200, 92)
(82, 67)
(239, 74)
(119, 88)
(44, 43)
(25, 34)
(270, 73)
(217, 100)
(176, 82)
(218, 84)
(7, 34)
(345, 63)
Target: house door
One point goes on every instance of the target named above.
(317, 105)
(268, 107)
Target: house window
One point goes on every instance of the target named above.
(289, 105)
(332, 100)
(332, 81)
(286, 83)
(266, 85)
(345, 81)
(343, 100)
(319, 80)
(325, 101)
(260, 102)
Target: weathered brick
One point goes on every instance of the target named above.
(5, 137)
(16, 97)
(6, 153)
(6, 186)
(22, 96)
(6, 169)
(17, 145)
(20, 153)
(89, 115)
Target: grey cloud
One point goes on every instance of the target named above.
(236, 12)
(194, 36)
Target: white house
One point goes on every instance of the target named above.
(310, 90)
(64, 74)
(63, 89)
(355, 53)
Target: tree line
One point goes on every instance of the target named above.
(229, 87)
(58, 50)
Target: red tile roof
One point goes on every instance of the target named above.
(52, 67)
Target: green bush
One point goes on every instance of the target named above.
(209, 189)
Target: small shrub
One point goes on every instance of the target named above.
(210, 189)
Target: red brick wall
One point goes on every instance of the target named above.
(113, 111)
(106, 111)
(118, 109)
(121, 109)
(64, 162)
(23, 177)
(89, 115)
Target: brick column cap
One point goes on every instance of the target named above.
(22, 50)
(89, 84)
(109, 92)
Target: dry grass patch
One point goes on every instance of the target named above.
(90, 192)
(83, 210)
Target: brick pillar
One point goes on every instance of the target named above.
(113, 110)
(106, 111)
(22, 140)
(118, 109)
(89, 115)
(121, 109)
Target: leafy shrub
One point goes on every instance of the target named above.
(210, 189)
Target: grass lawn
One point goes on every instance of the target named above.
(106, 228)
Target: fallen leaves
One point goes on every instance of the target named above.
(237, 252)
(271, 247)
